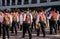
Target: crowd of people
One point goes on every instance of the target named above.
(27, 20)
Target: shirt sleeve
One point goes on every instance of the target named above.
(37, 19)
(11, 18)
(49, 17)
(21, 18)
(31, 17)
(44, 19)
(24, 17)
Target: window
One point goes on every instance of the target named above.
(33, 1)
(19, 2)
(26, 1)
(3, 2)
(54, 0)
(43, 1)
(8, 2)
(13, 2)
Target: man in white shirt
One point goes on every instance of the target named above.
(52, 21)
(17, 19)
(34, 20)
(58, 20)
(27, 21)
(42, 20)
(21, 20)
(1, 21)
(11, 21)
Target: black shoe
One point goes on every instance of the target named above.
(20, 29)
(15, 34)
(37, 35)
(50, 33)
(30, 38)
(12, 32)
(56, 33)
(0, 35)
(22, 36)
(8, 38)
(44, 36)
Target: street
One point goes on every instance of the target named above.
(48, 36)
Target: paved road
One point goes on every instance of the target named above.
(53, 36)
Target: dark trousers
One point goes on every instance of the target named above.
(0, 28)
(34, 24)
(58, 22)
(14, 23)
(38, 31)
(53, 26)
(5, 31)
(42, 28)
(18, 24)
(26, 28)
(21, 27)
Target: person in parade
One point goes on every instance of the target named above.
(6, 24)
(11, 21)
(41, 20)
(14, 23)
(1, 21)
(25, 21)
(58, 20)
(17, 19)
(59, 23)
(27, 24)
(52, 21)
(21, 20)
(34, 19)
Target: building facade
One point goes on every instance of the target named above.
(8, 4)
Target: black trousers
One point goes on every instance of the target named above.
(58, 22)
(53, 26)
(5, 31)
(42, 28)
(34, 24)
(26, 28)
(18, 24)
(0, 28)
(21, 27)
(14, 23)
(38, 31)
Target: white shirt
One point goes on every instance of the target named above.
(1, 19)
(10, 18)
(31, 18)
(49, 17)
(58, 16)
(21, 18)
(38, 16)
(25, 17)
(37, 19)
(17, 18)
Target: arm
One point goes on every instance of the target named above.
(37, 19)
(49, 17)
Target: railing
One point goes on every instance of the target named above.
(26, 2)
(19, 3)
(32, 5)
(54, 0)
